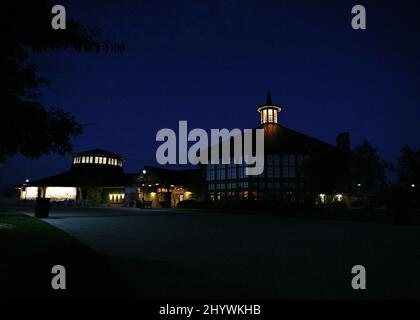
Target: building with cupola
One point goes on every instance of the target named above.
(95, 177)
(297, 168)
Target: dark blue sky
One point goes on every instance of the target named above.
(211, 63)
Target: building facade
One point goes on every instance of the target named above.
(297, 169)
(161, 187)
(97, 178)
(294, 165)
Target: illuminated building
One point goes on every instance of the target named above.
(96, 177)
(286, 178)
(161, 187)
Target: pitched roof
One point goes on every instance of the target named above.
(95, 178)
(175, 177)
(278, 137)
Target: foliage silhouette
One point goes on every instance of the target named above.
(26, 126)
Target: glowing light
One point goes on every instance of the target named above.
(29, 193)
(116, 197)
(359, 184)
(322, 197)
(413, 185)
(339, 197)
(61, 193)
(27, 180)
(172, 186)
(144, 171)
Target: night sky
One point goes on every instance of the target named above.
(212, 62)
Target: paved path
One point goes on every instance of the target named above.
(175, 254)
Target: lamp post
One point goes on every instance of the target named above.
(143, 184)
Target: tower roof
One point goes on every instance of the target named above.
(268, 101)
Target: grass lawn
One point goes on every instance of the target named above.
(30, 250)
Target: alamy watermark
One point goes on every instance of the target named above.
(359, 20)
(248, 147)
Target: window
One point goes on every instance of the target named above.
(210, 172)
(241, 171)
(275, 115)
(264, 116)
(221, 172)
(270, 115)
(289, 166)
(83, 159)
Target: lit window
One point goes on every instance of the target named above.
(104, 160)
(270, 115)
(61, 193)
(96, 160)
(264, 116)
(29, 193)
(83, 159)
(275, 115)
(91, 160)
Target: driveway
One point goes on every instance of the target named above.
(176, 254)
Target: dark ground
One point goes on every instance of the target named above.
(197, 255)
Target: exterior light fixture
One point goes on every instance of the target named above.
(157, 184)
(413, 185)
(144, 171)
(27, 180)
(359, 184)
(150, 185)
(172, 186)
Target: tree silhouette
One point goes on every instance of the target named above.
(368, 170)
(408, 170)
(26, 126)
(328, 172)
